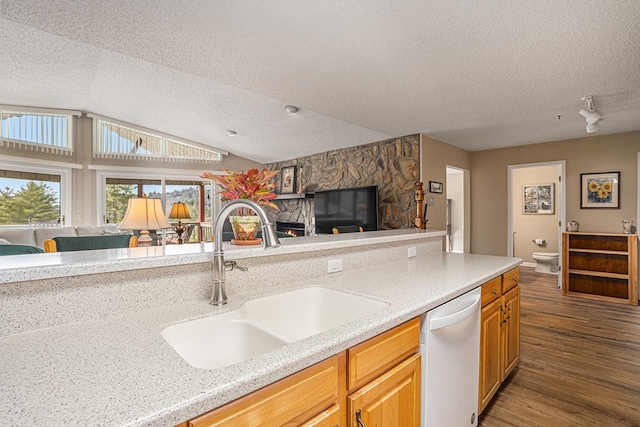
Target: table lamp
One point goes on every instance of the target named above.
(144, 214)
(179, 211)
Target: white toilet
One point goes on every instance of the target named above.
(546, 262)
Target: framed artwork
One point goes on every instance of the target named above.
(288, 183)
(600, 190)
(435, 187)
(538, 199)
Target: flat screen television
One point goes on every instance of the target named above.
(346, 206)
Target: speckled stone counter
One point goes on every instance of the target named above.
(20, 268)
(117, 370)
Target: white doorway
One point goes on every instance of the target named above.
(527, 227)
(458, 216)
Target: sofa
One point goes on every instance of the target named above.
(37, 236)
(7, 249)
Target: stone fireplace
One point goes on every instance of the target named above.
(393, 165)
(296, 229)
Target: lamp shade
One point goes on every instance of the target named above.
(144, 214)
(179, 210)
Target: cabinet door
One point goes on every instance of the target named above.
(391, 400)
(511, 330)
(490, 354)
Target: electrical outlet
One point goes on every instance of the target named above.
(411, 251)
(79, 218)
(335, 265)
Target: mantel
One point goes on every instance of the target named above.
(294, 196)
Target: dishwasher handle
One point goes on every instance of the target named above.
(452, 319)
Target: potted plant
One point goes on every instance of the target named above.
(253, 185)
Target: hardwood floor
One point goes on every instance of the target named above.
(579, 362)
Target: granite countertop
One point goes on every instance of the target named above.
(18, 268)
(120, 372)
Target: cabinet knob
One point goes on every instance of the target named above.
(494, 292)
(359, 418)
(514, 278)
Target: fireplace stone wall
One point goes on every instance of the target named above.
(393, 165)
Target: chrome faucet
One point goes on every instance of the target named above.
(218, 294)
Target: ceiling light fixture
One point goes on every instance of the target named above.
(232, 133)
(291, 109)
(591, 115)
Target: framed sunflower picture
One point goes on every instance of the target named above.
(600, 190)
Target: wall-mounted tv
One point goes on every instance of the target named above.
(346, 206)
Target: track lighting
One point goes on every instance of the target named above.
(592, 117)
(593, 127)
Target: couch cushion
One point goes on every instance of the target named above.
(87, 243)
(18, 236)
(45, 233)
(19, 250)
(93, 230)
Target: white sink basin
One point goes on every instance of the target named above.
(308, 311)
(264, 324)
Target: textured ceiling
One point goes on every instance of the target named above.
(477, 75)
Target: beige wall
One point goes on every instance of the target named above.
(528, 227)
(604, 153)
(435, 157)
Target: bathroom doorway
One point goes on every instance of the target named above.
(536, 203)
(458, 210)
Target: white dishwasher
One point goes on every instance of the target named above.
(450, 349)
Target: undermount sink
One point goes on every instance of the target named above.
(264, 324)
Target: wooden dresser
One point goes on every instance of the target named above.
(600, 266)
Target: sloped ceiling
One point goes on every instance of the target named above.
(477, 75)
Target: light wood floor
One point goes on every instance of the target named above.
(579, 365)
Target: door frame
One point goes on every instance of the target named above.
(466, 208)
(561, 204)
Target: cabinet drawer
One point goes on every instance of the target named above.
(380, 353)
(491, 290)
(289, 401)
(510, 279)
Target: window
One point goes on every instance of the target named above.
(120, 190)
(35, 193)
(118, 187)
(116, 141)
(41, 130)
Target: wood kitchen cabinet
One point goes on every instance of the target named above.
(600, 266)
(393, 399)
(384, 379)
(380, 376)
(299, 399)
(499, 333)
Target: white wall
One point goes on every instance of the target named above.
(528, 227)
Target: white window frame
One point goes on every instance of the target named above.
(162, 175)
(165, 139)
(41, 146)
(20, 164)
